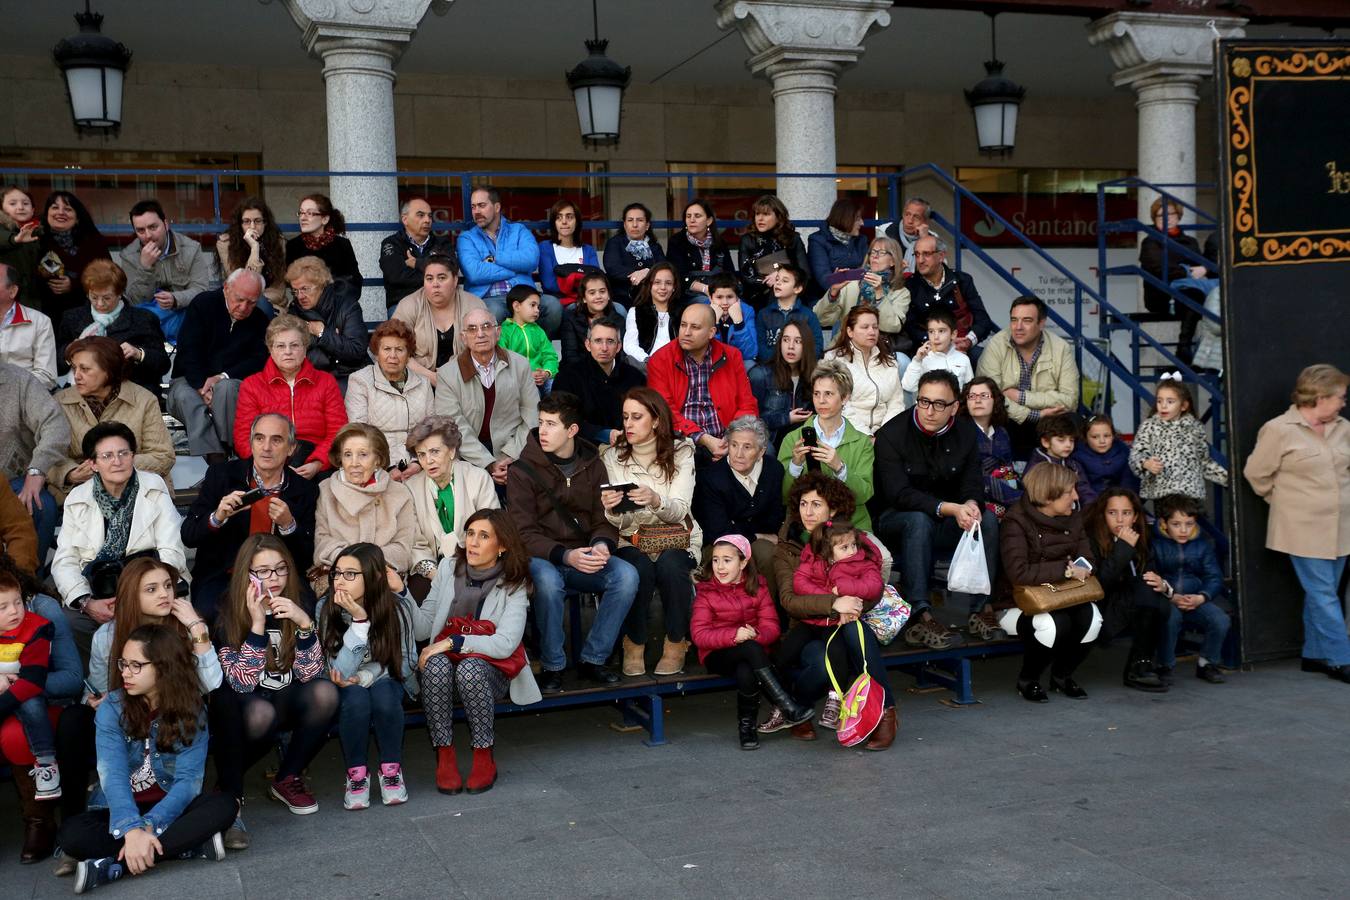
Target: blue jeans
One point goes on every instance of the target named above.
(1323, 619)
(550, 312)
(1208, 617)
(37, 728)
(44, 520)
(916, 537)
(380, 706)
(616, 583)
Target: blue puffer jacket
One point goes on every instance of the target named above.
(1109, 469)
(825, 254)
(178, 772)
(1191, 568)
(515, 256)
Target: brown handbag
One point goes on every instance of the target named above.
(654, 540)
(1047, 597)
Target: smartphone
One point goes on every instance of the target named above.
(809, 438)
(252, 497)
(625, 505)
(90, 688)
(1081, 563)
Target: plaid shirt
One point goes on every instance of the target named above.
(698, 405)
(1025, 368)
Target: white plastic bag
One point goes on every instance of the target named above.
(968, 573)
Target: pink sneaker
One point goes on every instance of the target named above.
(392, 789)
(357, 794)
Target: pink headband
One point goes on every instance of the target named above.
(737, 541)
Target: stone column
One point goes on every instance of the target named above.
(359, 43)
(1163, 58)
(801, 46)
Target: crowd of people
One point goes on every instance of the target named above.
(399, 516)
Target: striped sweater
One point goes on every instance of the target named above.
(245, 666)
(26, 652)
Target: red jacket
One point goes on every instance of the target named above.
(29, 646)
(858, 576)
(315, 406)
(719, 609)
(729, 385)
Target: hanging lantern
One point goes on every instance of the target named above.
(995, 102)
(94, 65)
(597, 84)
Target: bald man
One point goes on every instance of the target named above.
(703, 381)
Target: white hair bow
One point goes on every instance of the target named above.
(1170, 376)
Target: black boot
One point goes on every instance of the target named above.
(793, 711)
(747, 714)
(1141, 676)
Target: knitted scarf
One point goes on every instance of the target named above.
(102, 320)
(704, 246)
(868, 294)
(640, 250)
(842, 237)
(117, 512)
(320, 240)
(97, 406)
(472, 587)
(65, 240)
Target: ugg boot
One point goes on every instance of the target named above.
(884, 734)
(448, 780)
(483, 775)
(634, 658)
(747, 712)
(39, 819)
(793, 711)
(672, 658)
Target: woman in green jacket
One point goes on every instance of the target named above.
(829, 443)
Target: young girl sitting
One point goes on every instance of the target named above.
(521, 334)
(1187, 573)
(1170, 453)
(1103, 458)
(733, 623)
(367, 637)
(837, 560)
(983, 403)
(151, 741)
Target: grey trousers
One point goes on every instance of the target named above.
(208, 430)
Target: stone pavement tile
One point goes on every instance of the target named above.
(522, 826)
(1025, 864)
(602, 868)
(167, 881)
(1230, 859)
(821, 870)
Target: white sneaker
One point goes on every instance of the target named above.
(357, 795)
(392, 789)
(47, 778)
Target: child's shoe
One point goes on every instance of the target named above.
(392, 789)
(47, 781)
(357, 795)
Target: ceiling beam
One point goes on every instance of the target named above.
(1310, 13)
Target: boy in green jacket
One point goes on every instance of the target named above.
(521, 334)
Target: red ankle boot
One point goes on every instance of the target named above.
(447, 771)
(483, 775)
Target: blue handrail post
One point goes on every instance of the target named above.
(215, 198)
(688, 189)
(893, 198)
(957, 192)
(1078, 330)
(466, 195)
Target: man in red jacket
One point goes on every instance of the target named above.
(702, 380)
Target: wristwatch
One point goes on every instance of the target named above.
(38, 472)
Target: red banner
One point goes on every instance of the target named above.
(1050, 220)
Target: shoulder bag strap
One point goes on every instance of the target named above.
(562, 510)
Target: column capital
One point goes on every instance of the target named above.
(1149, 48)
(369, 26)
(807, 37)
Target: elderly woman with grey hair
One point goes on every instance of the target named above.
(447, 491)
(742, 493)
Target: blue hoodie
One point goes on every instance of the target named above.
(770, 320)
(1104, 470)
(515, 256)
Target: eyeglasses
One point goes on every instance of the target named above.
(110, 455)
(479, 329)
(133, 666)
(347, 575)
(249, 222)
(939, 405)
(280, 571)
(103, 298)
(304, 289)
(879, 251)
(979, 396)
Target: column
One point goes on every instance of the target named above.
(1163, 58)
(801, 47)
(359, 43)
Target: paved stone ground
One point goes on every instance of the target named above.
(1240, 790)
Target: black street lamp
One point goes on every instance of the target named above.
(94, 65)
(994, 101)
(597, 84)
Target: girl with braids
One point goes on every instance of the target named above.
(274, 665)
(476, 612)
(253, 242)
(152, 740)
(367, 637)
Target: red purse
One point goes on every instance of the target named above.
(510, 666)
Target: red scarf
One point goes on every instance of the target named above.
(320, 240)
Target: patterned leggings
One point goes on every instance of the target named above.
(480, 686)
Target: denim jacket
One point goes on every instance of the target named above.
(353, 661)
(178, 772)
